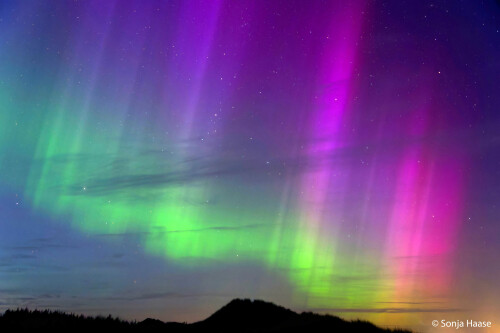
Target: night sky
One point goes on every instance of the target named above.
(159, 158)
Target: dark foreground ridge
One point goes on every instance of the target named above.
(237, 316)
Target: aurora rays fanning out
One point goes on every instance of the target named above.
(158, 158)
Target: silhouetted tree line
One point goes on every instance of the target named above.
(24, 319)
(237, 316)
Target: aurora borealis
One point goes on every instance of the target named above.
(159, 158)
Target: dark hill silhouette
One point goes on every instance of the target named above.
(237, 316)
(250, 314)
